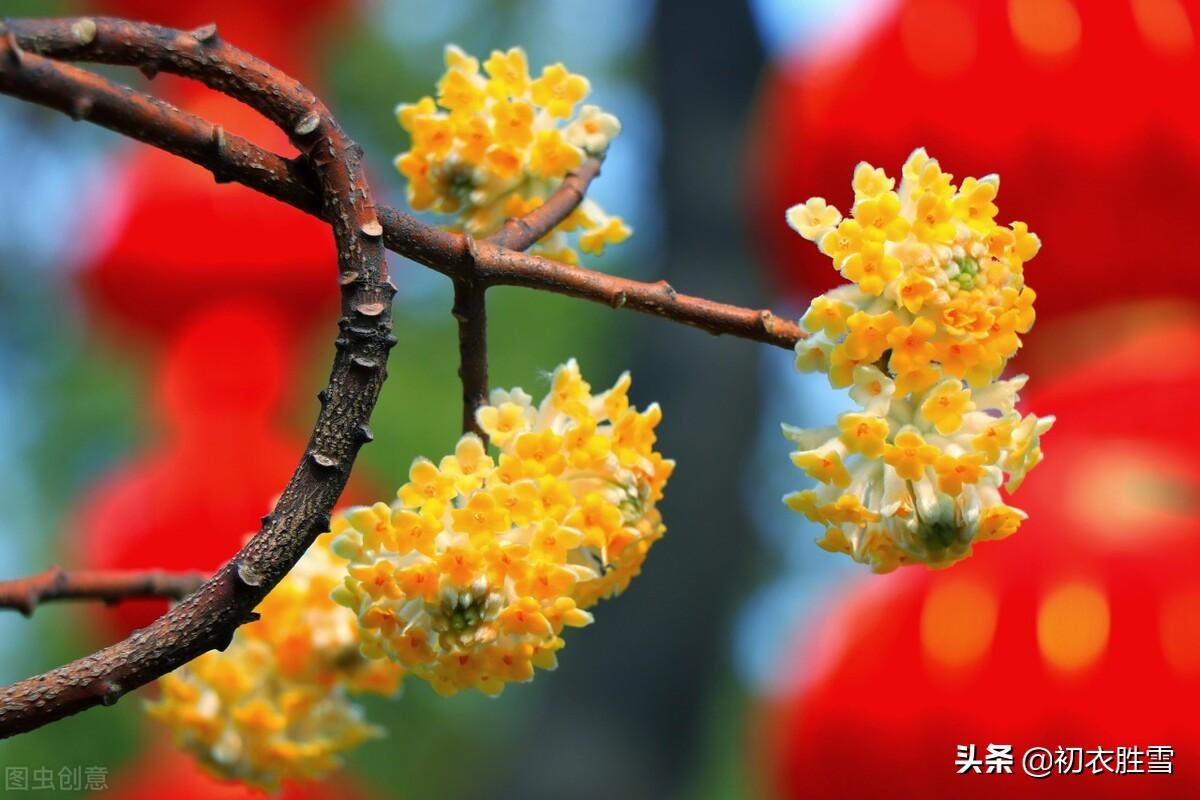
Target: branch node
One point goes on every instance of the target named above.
(370, 309)
(81, 106)
(307, 124)
(364, 434)
(149, 69)
(347, 278)
(364, 362)
(15, 52)
(248, 574)
(83, 31)
(205, 33)
(110, 692)
(372, 229)
(322, 460)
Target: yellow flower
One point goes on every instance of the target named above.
(910, 345)
(914, 290)
(552, 156)
(469, 464)
(593, 131)
(558, 90)
(954, 471)
(502, 423)
(481, 517)
(945, 406)
(868, 337)
(813, 218)
(458, 92)
(514, 122)
(910, 455)
(426, 487)
(869, 182)
(612, 231)
(509, 73)
(828, 315)
(844, 240)
(825, 467)
(864, 434)
(973, 203)
(871, 268)
(413, 532)
(880, 217)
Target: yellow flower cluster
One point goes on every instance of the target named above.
(469, 578)
(934, 312)
(496, 143)
(273, 705)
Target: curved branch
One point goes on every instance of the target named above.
(109, 586)
(85, 95)
(521, 233)
(208, 618)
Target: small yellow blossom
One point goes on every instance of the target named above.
(910, 455)
(945, 406)
(557, 90)
(508, 73)
(825, 467)
(869, 182)
(593, 130)
(813, 219)
(611, 231)
(862, 433)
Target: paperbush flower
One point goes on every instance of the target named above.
(935, 309)
(273, 705)
(496, 143)
(470, 577)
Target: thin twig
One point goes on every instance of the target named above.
(109, 586)
(208, 618)
(84, 95)
(520, 233)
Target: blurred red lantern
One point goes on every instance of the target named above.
(163, 772)
(1075, 105)
(1083, 630)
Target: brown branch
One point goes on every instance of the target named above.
(470, 304)
(208, 618)
(109, 586)
(470, 310)
(522, 232)
(84, 95)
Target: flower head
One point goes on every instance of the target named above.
(495, 143)
(274, 705)
(935, 309)
(475, 592)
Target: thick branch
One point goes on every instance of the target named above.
(522, 232)
(208, 618)
(84, 95)
(109, 586)
(470, 309)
